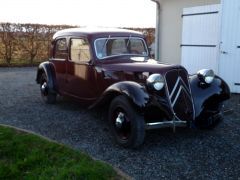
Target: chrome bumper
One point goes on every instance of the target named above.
(176, 123)
(165, 124)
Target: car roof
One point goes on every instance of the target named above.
(96, 32)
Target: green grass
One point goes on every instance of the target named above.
(27, 156)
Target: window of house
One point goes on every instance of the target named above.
(79, 50)
(60, 49)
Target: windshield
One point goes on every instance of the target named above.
(115, 46)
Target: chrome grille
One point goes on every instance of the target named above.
(179, 93)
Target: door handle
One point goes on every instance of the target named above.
(238, 46)
(224, 52)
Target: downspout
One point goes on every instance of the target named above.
(157, 30)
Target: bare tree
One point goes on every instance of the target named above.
(30, 39)
(33, 41)
(7, 40)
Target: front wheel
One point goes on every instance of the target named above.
(47, 96)
(211, 118)
(126, 124)
(211, 122)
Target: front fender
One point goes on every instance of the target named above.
(207, 97)
(47, 68)
(136, 93)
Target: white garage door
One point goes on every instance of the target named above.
(200, 38)
(229, 67)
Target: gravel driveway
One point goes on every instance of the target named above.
(186, 154)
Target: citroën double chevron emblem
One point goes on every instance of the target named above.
(179, 87)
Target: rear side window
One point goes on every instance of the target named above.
(79, 50)
(60, 49)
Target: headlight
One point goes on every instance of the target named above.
(206, 75)
(155, 81)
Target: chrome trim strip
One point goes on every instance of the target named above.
(176, 84)
(165, 124)
(57, 59)
(178, 93)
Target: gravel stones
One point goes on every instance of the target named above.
(186, 154)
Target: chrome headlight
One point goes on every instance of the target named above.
(155, 81)
(206, 75)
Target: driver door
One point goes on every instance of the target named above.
(80, 74)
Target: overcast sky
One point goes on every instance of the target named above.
(106, 13)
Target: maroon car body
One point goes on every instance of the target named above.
(113, 67)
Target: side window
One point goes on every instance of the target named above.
(60, 49)
(79, 50)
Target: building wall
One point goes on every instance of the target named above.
(171, 27)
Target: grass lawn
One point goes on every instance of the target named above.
(27, 156)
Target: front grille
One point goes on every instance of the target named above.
(179, 93)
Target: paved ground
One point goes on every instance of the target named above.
(187, 154)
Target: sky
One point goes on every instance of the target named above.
(105, 13)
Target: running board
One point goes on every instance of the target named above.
(165, 124)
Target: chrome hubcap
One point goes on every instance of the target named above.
(44, 87)
(119, 120)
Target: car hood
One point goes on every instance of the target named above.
(150, 66)
(114, 71)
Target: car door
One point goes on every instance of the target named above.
(81, 81)
(59, 58)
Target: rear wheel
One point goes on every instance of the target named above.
(126, 124)
(47, 96)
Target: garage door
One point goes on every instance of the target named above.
(200, 38)
(229, 67)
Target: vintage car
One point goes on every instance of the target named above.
(113, 67)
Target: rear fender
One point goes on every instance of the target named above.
(48, 69)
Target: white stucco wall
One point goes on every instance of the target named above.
(171, 27)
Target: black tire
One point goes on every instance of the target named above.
(47, 97)
(130, 131)
(211, 122)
